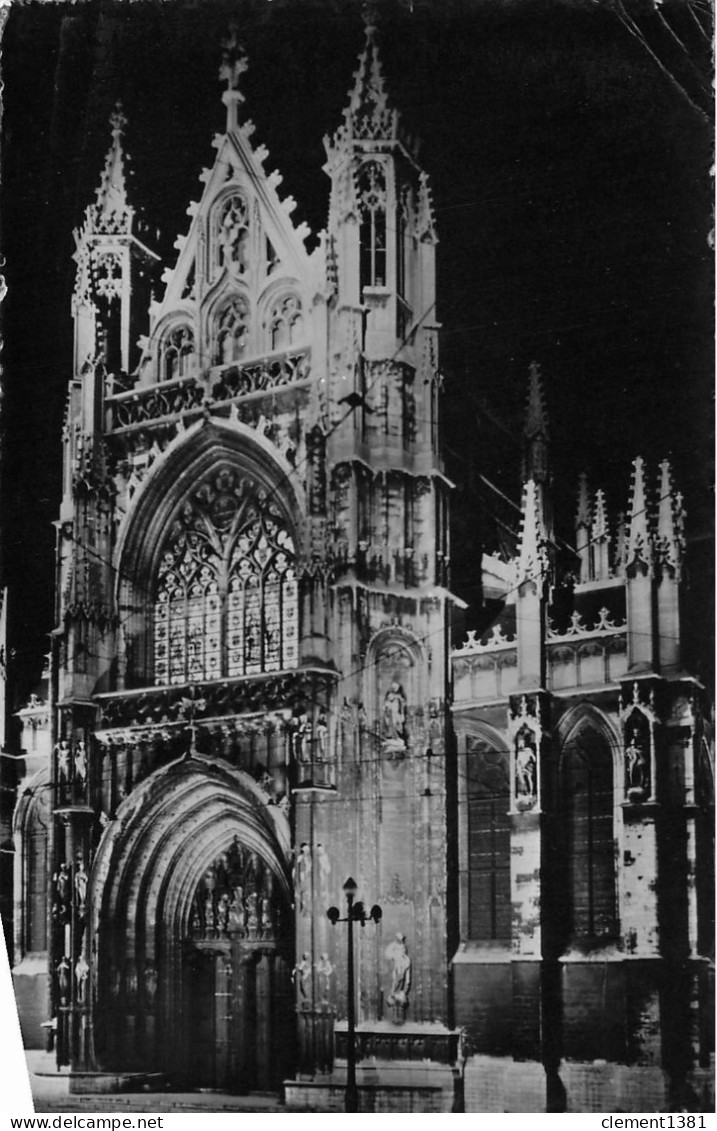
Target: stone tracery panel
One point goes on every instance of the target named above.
(226, 597)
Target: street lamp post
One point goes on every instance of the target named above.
(355, 913)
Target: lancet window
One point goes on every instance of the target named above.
(231, 234)
(488, 804)
(231, 332)
(285, 323)
(177, 353)
(226, 600)
(586, 780)
(372, 231)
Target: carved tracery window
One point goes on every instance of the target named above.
(285, 323)
(226, 599)
(231, 233)
(177, 353)
(231, 332)
(372, 232)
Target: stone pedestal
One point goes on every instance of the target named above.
(399, 1068)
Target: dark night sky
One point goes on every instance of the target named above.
(570, 178)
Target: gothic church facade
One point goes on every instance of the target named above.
(253, 695)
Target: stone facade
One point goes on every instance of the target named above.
(253, 694)
(250, 662)
(585, 797)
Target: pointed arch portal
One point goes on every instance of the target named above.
(191, 929)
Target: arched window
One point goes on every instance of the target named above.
(372, 232)
(586, 794)
(32, 825)
(226, 601)
(285, 323)
(231, 233)
(231, 332)
(177, 353)
(488, 801)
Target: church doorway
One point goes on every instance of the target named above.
(237, 1001)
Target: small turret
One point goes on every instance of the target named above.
(111, 262)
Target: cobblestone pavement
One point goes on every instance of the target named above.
(51, 1093)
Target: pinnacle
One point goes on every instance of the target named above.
(112, 212)
(599, 527)
(532, 552)
(583, 516)
(670, 515)
(234, 64)
(536, 416)
(639, 544)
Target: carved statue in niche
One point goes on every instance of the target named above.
(222, 919)
(637, 758)
(265, 920)
(526, 767)
(299, 976)
(323, 865)
(81, 880)
(302, 878)
(322, 738)
(232, 235)
(63, 979)
(63, 760)
(209, 919)
(301, 738)
(81, 762)
(394, 718)
(252, 914)
(394, 673)
(150, 983)
(237, 912)
(400, 963)
(62, 888)
(324, 970)
(82, 973)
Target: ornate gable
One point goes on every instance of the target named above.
(244, 283)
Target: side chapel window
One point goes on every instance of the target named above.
(226, 601)
(488, 803)
(586, 788)
(285, 323)
(372, 232)
(177, 353)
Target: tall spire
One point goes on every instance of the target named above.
(112, 213)
(369, 116)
